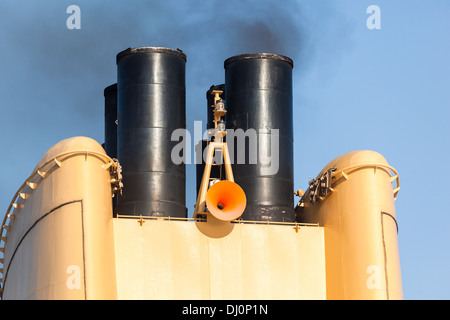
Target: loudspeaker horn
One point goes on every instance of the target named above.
(226, 200)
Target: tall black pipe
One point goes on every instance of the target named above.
(110, 94)
(258, 94)
(151, 105)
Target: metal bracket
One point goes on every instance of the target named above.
(319, 187)
(116, 180)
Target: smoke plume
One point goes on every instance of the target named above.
(53, 78)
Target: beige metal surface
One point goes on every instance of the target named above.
(60, 244)
(60, 241)
(361, 245)
(160, 259)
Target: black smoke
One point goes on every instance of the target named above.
(53, 78)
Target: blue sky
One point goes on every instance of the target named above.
(385, 90)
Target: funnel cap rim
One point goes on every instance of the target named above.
(262, 55)
(177, 52)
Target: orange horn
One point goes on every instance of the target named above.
(226, 200)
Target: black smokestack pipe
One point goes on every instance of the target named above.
(151, 105)
(258, 95)
(110, 144)
(110, 94)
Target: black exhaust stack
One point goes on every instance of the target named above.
(258, 95)
(151, 105)
(110, 94)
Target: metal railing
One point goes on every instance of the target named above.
(344, 172)
(237, 221)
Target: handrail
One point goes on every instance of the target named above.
(376, 165)
(238, 221)
(124, 216)
(28, 182)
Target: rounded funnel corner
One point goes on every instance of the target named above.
(79, 143)
(356, 158)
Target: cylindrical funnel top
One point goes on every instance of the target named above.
(259, 56)
(145, 50)
(258, 93)
(151, 105)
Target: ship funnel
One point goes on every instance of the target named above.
(226, 200)
(150, 107)
(258, 92)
